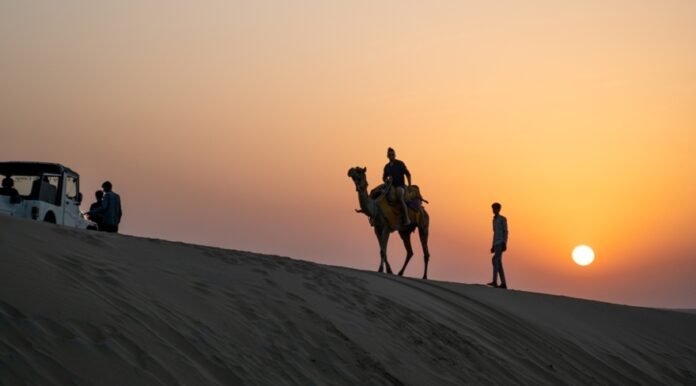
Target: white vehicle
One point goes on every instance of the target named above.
(42, 191)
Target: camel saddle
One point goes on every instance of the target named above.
(390, 204)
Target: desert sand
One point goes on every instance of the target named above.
(80, 307)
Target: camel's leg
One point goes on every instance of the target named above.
(383, 238)
(383, 241)
(423, 234)
(406, 237)
(378, 233)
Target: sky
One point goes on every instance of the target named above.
(234, 124)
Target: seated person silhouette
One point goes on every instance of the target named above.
(8, 187)
(396, 172)
(42, 189)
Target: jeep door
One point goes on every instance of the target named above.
(71, 200)
(49, 191)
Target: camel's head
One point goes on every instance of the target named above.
(359, 177)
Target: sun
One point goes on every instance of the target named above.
(583, 255)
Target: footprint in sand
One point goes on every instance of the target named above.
(7, 310)
(201, 287)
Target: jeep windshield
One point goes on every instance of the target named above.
(33, 181)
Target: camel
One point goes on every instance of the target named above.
(372, 206)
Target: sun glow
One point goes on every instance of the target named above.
(583, 255)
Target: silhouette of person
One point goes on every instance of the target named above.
(110, 209)
(8, 187)
(97, 218)
(394, 172)
(500, 238)
(43, 190)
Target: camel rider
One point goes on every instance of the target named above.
(394, 172)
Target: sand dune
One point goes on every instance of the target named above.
(83, 307)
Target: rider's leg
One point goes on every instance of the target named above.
(401, 192)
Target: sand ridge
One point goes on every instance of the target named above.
(80, 307)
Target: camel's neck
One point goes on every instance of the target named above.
(366, 204)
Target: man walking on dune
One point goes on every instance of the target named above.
(500, 238)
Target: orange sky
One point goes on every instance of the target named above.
(234, 125)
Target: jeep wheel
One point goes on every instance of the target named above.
(50, 218)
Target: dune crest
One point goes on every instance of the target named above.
(84, 307)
